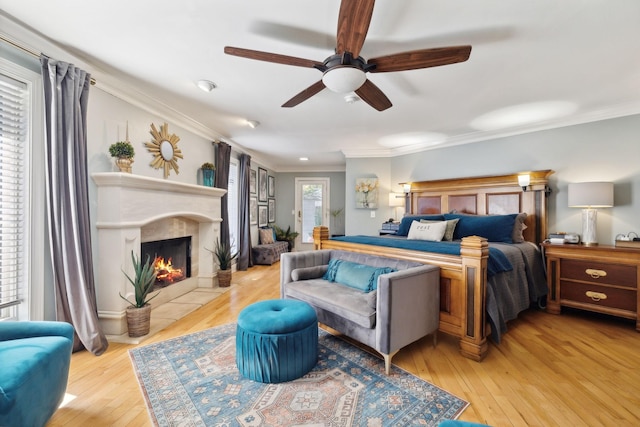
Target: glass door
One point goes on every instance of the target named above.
(312, 209)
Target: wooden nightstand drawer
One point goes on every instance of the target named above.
(624, 299)
(599, 272)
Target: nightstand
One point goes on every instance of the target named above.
(389, 228)
(603, 279)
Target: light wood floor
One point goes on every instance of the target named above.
(576, 369)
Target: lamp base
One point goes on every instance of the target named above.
(589, 220)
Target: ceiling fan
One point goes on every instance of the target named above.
(345, 70)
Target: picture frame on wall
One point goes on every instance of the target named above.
(262, 216)
(253, 210)
(272, 210)
(252, 181)
(262, 185)
(272, 186)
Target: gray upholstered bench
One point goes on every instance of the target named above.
(269, 253)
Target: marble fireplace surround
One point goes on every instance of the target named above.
(132, 209)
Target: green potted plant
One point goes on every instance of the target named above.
(123, 153)
(208, 170)
(224, 258)
(286, 236)
(139, 312)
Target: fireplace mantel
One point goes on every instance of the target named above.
(127, 203)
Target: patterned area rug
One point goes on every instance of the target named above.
(192, 380)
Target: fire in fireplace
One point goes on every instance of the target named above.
(171, 259)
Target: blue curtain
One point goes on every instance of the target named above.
(244, 241)
(66, 94)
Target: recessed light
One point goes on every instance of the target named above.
(304, 159)
(253, 123)
(206, 85)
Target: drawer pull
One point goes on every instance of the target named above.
(596, 296)
(595, 274)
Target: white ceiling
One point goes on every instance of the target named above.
(534, 65)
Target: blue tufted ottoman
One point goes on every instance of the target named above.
(276, 340)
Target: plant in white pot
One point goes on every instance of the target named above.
(139, 312)
(224, 257)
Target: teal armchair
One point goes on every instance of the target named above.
(34, 369)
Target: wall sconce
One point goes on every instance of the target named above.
(524, 180)
(590, 195)
(406, 188)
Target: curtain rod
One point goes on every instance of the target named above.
(29, 51)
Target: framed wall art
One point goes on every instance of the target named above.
(262, 185)
(272, 186)
(367, 193)
(272, 210)
(252, 181)
(262, 216)
(253, 210)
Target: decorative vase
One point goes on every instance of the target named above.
(224, 278)
(208, 177)
(124, 164)
(139, 320)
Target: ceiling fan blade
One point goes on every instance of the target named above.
(353, 24)
(373, 96)
(423, 58)
(305, 94)
(271, 57)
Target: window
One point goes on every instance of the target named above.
(14, 103)
(21, 197)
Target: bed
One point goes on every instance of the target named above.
(483, 284)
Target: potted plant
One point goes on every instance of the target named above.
(286, 236)
(208, 170)
(123, 152)
(224, 258)
(139, 312)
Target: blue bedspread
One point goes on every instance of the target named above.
(497, 262)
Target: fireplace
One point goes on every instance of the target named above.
(132, 210)
(171, 259)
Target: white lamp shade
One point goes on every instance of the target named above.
(524, 180)
(344, 79)
(396, 200)
(590, 195)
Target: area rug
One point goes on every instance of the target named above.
(192, 380)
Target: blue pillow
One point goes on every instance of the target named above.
(494, 228)
(359, 276)
(405, 224)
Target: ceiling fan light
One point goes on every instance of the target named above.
(344, 79)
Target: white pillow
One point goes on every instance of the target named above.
(427, 231)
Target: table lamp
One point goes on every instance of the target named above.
(589, 196)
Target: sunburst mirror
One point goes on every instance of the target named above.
(164, 148)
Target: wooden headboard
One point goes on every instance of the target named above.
(487, 195)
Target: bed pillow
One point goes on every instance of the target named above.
(518, 227)
(494, 228)
(451, 226)
(266, 236)
(433, 231)
(359, 276)
(405, 224)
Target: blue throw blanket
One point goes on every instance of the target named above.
(497, 262)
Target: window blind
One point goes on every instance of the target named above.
(14, 98)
